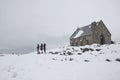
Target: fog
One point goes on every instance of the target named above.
(24, 23)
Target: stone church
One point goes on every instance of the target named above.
(96, 32)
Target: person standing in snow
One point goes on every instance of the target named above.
(41, 48)
(44, 47)
(38, 52)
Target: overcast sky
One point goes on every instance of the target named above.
(24, 23)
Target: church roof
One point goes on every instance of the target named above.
(85, 30)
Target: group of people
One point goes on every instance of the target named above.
(41, 48)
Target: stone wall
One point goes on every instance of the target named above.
(81, 41)
(99, 30)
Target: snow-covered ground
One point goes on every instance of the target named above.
(92, 62)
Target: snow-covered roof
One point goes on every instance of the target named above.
(85, 30)
(79, 34)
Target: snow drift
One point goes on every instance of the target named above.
(91, 62)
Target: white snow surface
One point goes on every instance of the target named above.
(55, 66)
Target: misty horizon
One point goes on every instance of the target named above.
(25, 23)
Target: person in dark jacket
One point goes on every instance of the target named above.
(44, 47)
(38, 52)
(41, 48)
